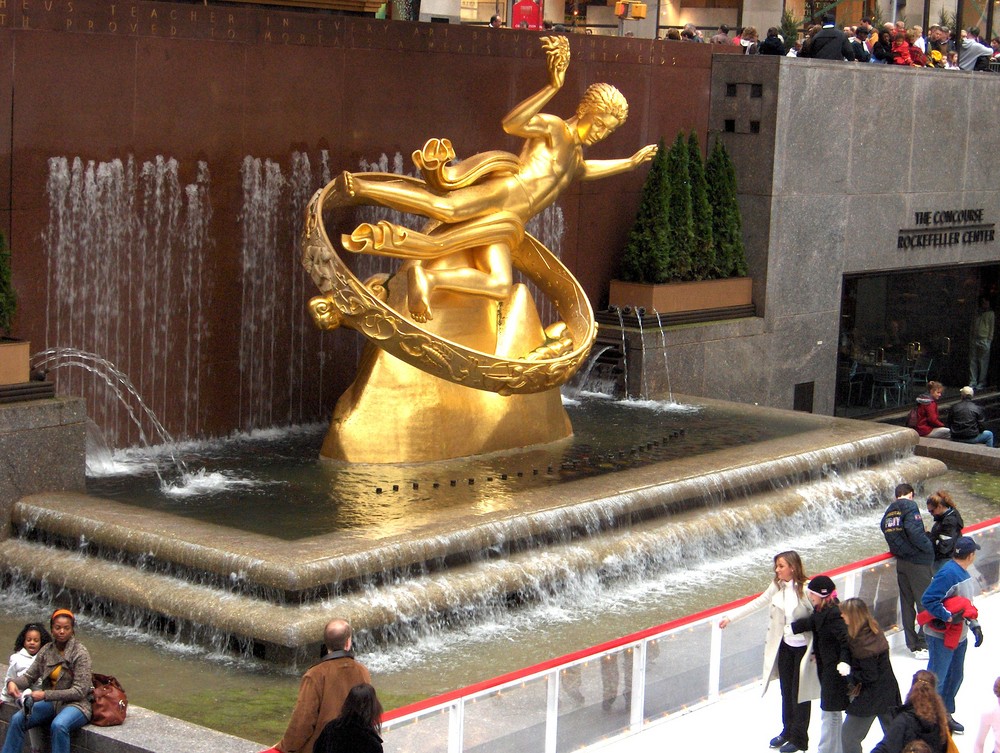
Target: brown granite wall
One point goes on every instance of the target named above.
(198, 298)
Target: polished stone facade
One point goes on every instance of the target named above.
(833, 162)
(42, 447)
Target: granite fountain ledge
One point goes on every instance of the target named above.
(285, 626)
(279, 594)
(591, 504)
(146, 731)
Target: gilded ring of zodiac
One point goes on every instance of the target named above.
(347, 301)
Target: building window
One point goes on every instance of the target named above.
(729, 126)
(892, 342)
(756, 91)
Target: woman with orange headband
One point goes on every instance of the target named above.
(63, 703)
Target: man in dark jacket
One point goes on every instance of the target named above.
(904, 533)
(968, 421)
(772, 44)
(830, 43)
(858, 44)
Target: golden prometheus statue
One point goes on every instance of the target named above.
(458, 362)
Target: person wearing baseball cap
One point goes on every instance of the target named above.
(952, 580)
(833, 657)
(967, 421)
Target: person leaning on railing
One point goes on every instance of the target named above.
(973, 55)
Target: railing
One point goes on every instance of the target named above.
(619, 687)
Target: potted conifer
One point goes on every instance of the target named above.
(685, 250)
(14, 354)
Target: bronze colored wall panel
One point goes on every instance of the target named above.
(210, 323)
(6, 93)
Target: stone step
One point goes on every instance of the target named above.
(322, 566)
(277, 629)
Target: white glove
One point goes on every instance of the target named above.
(788, 631)
(843, 668)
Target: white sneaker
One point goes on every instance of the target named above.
(921, 654)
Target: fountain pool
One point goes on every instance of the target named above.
(273, 483)
(258, 570)
(252, 699)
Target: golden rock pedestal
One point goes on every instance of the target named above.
(394, 412)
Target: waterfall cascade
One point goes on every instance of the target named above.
(262, 594)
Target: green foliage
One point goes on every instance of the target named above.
(8, 298)
(727, 228)
(877, 18)
(702, 247)
(947, 19)
(645, 258)
(789, 27)
(688, 224)
(680, 219)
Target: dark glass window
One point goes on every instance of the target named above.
(898, 330)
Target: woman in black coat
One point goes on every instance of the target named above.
(947, 526)
(772, 44)
(832, 658)
(872, 684)
(922, 717)
(357, 728)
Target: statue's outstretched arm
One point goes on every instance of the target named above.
(603, 168)
(521, 120)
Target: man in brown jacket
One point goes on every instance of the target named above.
(323, 690)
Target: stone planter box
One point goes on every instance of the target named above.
(673, 297)
(14, 357)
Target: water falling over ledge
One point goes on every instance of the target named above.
(460, 563)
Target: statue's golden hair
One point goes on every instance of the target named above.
(605, 98)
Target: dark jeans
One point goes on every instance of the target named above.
(912, 580)
(794, 715)
(855, 730)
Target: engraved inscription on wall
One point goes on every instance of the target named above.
(941, 228)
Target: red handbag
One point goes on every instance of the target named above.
(109, 701)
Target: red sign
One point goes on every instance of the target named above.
(527, 14)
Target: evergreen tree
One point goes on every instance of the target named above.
(645, 258)
(8, 298)
(727, 228)
(789, 28)
(680, 224)
(703, 248)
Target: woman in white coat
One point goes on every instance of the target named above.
(787, 657)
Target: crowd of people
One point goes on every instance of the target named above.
(893, 44)
(818, 648)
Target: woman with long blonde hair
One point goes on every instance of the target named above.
(922, 717)
(786, 655)
(871, 682)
